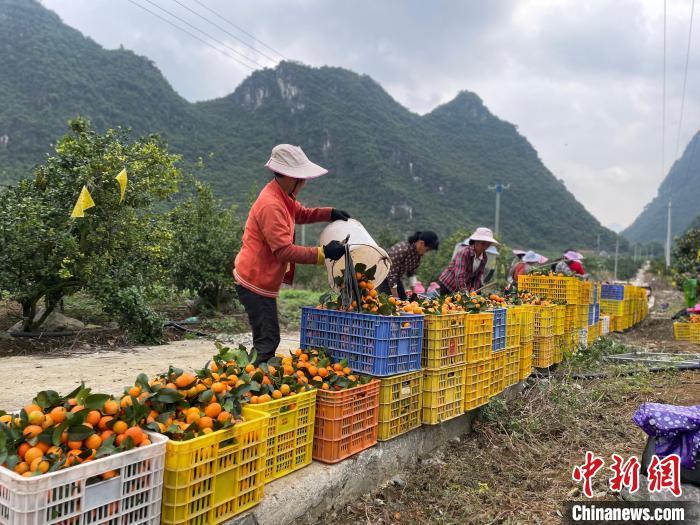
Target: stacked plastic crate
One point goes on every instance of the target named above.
(527, 334)
(612, 304)
(543, 342)
(498, 354)
(386, 347)
(479, 341)
(512, 349)
(443, 361)
(559, 331)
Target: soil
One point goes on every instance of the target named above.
(515, 468)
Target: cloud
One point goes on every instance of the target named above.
(581, 79)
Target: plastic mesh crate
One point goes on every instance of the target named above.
(477, 384)
(544, 320)
(211, 478)
(527, 323)
(559, 319)
(443, 340)
(443, 394)
(592, 334)
(525, 364)
(604, 325)
(513, 326)
(512, 368)
(582, 316)
(612, 307)
(570, 317)
(543, 352)
(556, 288)
(400, 404)
(290, 433)
(558, 349)
(66, 497)
(346, 422)
(499, 329)
(498, 372)
(378, 345)
(586, 292)
(478, 330)
(612, 291)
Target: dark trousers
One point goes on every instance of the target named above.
(262, 315)
(400, 290)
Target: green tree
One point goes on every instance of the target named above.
(686, 255)
(117, 246)
(206, 237)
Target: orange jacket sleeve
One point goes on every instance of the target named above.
(273, 225)
(308, 215)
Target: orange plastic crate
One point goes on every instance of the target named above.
(346, 422)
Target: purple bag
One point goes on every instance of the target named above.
(676, 429)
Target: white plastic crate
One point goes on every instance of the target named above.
(604, 324)
(583, 337)
(65, 497)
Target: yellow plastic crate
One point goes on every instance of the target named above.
(592, 333)
(558, 349)
(498, 372)
(544, 320)
(443, 394)
(211, 478)
(585, 293)
(556, 288)
(582, 316)
(559, 319)
(477, 384)
(513, 314)
(570, 317)
(478, 329)
(612, 307)
(681, 331)
(290, 433)
(512, 368)
(543, 352)
(400, 404)
(525, 363)
(527, 323)
(443, 340)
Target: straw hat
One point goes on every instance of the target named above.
(531, 257)
(483, 234)
(291, 161)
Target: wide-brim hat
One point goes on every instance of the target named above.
(483, 234)
(492, 250)
(542, 259)
(573, 256)
(519, 252)
(291, 161)
(531, 257)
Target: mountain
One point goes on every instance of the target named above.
(389, 167)
(682, 186)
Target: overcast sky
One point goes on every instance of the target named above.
(582, 80)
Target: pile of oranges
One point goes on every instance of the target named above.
(54, 432)
(694, 318)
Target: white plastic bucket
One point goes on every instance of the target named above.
(362, 248)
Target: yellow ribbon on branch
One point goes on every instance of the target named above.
(122, 180)
(83, 203)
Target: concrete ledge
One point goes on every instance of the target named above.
(323, 488)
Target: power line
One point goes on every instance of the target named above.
(663, 106)
(226, 31)
(191, 34)
(685, 76)
(240, 29)
(234, 50)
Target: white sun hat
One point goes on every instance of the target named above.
(483, 234)
(531, 257)
(492, 250)
(519, 252)
(291, 161)
(573, 256)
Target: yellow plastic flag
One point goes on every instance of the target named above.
(83, 203)
(122, 180)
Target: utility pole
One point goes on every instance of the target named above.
(617, 253)
(668, 235)
(499, 189)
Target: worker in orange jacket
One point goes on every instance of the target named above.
(268, 255)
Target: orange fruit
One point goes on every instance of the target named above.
(323, 372)
(75, 445)
(111, 407)
(48, 422)
(254, 399)
(93, 417)
(313, 371)
(185, 380)
(105, 435)
(347, 371)
(218, 387)
(77, 408)
(40, 465)
(43, 446)
(109, 474)
(304, 357)
(32, 408)
(35, 417)
(136, 434)
(32, 454)
(120, 439)
(147, 441)
(213, 410)
(250, 368)
(104, 422)
(276, 394)
(205, 422)
(264, 398)
(271, 370)
(58, 415)
(325, 386)
(223, 417)
(32, 431)
(285, 389)
(317, 378)
(22, 449)
(337, 367)
(93, 442)
(126, 401)
(119, 427)
(22, 467)
(135, 391)
(193, 417)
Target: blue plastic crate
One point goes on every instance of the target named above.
(613, 291)
(378, 345)
(499, 329)
(591, 314)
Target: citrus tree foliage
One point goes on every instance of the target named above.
(116, 249)
(206, 237)
(686, 254)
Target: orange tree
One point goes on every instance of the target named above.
(115, 252)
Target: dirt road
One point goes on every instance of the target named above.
(104, 371)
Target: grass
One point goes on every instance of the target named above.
(290, 302)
